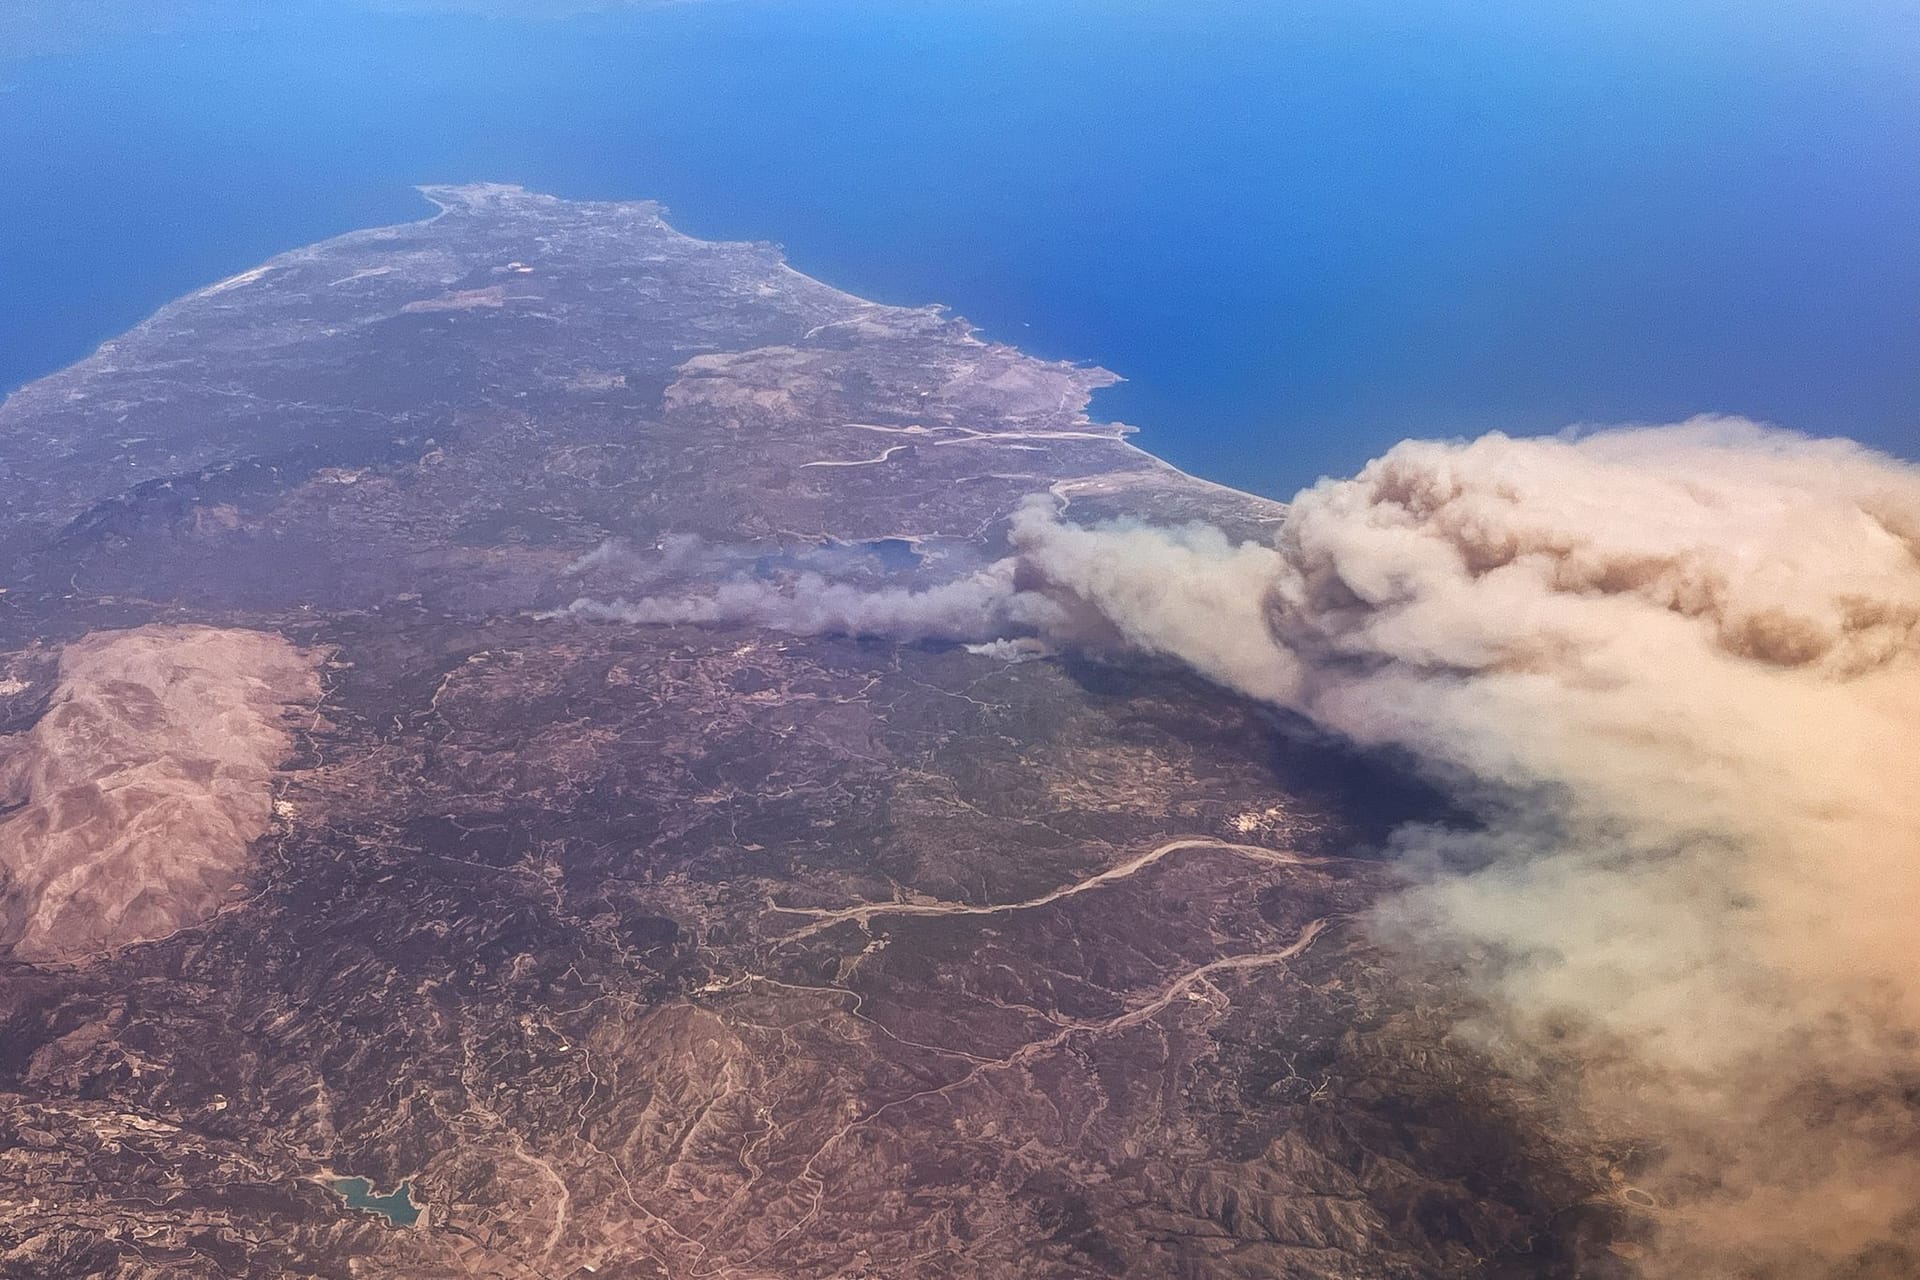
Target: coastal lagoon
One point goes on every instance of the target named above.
(1302, 232)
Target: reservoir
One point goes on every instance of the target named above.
(397, 1206)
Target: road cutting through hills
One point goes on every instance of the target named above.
(825, 918)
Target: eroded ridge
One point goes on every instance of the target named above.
(138, 792)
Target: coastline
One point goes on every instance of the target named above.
(482, 199)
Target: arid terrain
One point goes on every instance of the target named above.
(337, 845)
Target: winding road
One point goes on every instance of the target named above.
(823, 918)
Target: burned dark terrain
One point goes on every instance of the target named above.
(683, 951)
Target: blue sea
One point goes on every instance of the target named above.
(1301, 230)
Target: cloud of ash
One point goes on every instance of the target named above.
(1678, 671)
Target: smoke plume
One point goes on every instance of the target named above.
(982, 606)
(1680, 670)
(1677, 671)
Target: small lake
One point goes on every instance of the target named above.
(397, 1206)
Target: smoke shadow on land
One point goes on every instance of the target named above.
(1361, 795)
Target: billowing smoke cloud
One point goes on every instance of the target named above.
(1678, 671)
(1681, 669)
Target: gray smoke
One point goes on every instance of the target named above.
(981, 606)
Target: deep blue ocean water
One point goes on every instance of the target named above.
(1302, 230)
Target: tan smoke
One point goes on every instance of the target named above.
(1681, 668)
(1677, 671)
